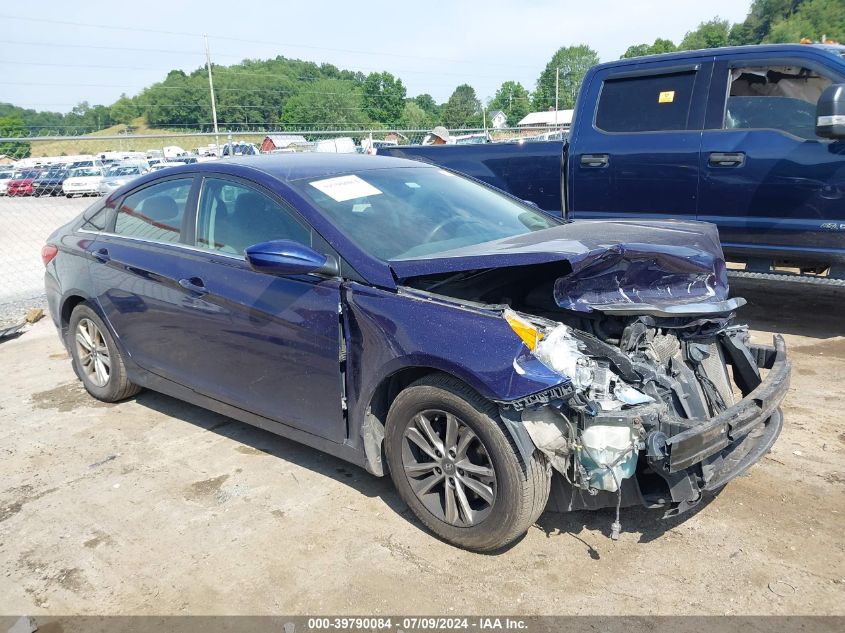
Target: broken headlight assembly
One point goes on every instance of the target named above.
(594, 452)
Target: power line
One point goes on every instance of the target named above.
(229, 70)
(248, 41)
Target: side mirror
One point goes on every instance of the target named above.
(830, 112)
(284, 257)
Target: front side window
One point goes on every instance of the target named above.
(408, 212)
(774, 97)
(155, 213)
(655, 103)
(233, 216)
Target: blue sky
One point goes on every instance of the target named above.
(50, 62)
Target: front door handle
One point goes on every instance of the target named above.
(726, 159)
(595, 160)
(102, 255)
(194, 284)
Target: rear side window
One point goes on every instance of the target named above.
(155, 213)
(654, 103)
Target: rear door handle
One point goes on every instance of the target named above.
(595, 160)
(102, 255)
(194, 284)
(726, 159)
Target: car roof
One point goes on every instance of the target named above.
(728, 50)
(289, 167)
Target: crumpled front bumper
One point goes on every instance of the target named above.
(760, 406)
(706, 456)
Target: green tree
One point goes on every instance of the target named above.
(512, 99)
(813, 19)
(573, 62)
(463, 109)
(383, 98)
(13, 126)
(124, 110)
(711, 34)
(415, 118)
(660, 46)
(178, 100)
(427, 103)
(326, 103)
(762, 15)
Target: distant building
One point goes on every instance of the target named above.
(281, 141)
(498, 119)
(548, 118)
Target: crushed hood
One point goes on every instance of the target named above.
(665, 267)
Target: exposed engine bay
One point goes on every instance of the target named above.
(658, 405)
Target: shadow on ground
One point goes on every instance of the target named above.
(259, 440)
(791, 307)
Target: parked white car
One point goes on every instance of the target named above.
(6, 174)
(83, 181)
(165, 165)
(118, 175)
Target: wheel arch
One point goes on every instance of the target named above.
(377, 406)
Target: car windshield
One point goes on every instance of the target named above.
(27, 173)
(410, 212)
(123, 170)
(86, 171)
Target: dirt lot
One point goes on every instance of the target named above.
(154, 506)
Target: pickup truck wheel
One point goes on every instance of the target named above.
(97, 360)
(455, 465)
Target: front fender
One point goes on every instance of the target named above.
(387, 332)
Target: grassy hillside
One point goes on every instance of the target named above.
(138, 129)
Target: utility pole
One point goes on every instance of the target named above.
(484, 115)
(557, 88)
(211, 91)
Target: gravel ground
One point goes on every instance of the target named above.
(153, 506)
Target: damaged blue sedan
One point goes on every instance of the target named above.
(493, 360)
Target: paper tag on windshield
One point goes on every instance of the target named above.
(345, 188)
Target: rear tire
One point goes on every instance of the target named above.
(495, 496)
(97, 360)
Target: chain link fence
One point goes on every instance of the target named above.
(46, 181)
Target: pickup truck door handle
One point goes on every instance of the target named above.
(595, 160)
(726, 159)
(102, 255)
(194, 284)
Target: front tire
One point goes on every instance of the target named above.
(97, 360)
(456, 466)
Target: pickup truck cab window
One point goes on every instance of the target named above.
(650, 103)
(776, 97)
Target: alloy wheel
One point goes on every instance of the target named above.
(449, 468)
(93, 353)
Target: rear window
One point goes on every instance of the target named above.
(654, 103)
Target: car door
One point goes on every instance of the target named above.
(768, 182)
(264, 343)
(137, 272)
(636, 153)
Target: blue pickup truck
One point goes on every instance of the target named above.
(750, 138)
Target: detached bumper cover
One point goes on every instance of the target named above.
(761, 406)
